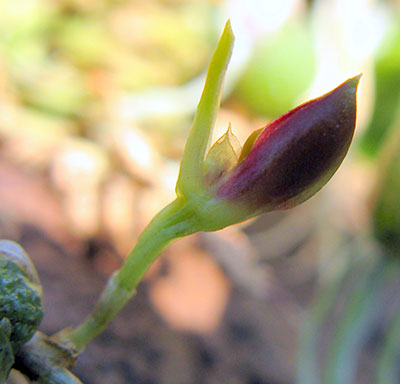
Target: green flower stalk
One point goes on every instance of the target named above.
(279, 167)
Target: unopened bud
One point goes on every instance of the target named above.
(295, 155)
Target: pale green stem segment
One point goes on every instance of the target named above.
(191, 172)
(174, 221)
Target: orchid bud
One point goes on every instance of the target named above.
(293, 157)
(279, 166)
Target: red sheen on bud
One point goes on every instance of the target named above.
(296, 154)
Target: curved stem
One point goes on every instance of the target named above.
(174, 221)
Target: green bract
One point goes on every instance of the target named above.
(190, 180)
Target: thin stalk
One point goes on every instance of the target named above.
(174, 221)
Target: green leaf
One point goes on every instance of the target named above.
(190, 178)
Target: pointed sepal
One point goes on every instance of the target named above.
(222, 157)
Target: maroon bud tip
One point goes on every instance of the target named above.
(296, 154)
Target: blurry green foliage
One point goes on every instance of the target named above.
(281, 68)
(83, 40)
(57, 89)
(60, 57)
(387, 92)
(386, 215)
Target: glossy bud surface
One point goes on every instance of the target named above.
(295, 155)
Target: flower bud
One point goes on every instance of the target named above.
(295, 155)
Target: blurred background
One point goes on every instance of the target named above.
(96, 101)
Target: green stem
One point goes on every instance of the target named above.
(174, 221)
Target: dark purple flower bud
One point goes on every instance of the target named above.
(295, 155)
